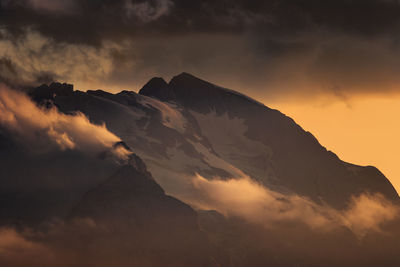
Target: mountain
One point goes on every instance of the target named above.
(189, 126)
(150, 227)
(184, 143)
(35, 187)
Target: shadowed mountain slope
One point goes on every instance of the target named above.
(152, 229)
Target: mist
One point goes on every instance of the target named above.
(36, 126)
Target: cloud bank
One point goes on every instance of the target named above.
(244, 197)
(263, 48)
(57, 246)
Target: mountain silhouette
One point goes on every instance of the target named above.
(142, 218)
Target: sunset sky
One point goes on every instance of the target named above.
(364, 131)
(331, 65)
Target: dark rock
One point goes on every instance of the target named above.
(62, 89)
(49, 92)
(142, 220)
(158, 88)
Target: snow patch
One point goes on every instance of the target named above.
(228, 138)
(171, 117)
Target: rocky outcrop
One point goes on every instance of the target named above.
(48, 92)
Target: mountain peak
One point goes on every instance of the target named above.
(185, 77)
(182, 86)
(157, 87)
(189, 82)
(192, 91)
(185, 74)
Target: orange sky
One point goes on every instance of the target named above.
(364, 131)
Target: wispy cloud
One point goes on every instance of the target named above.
(148, 11)
(34, 59)
(46, 128)
(248, 199)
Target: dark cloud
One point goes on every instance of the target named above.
(108, 19)
(261, 47)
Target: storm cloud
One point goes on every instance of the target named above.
(262, 48)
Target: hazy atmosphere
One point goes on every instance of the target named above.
(119, 114)
(330, 65)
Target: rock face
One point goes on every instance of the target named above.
(153, 228)
(48, 92)
(158, 88)
(190, 126)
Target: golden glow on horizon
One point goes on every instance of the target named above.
(365, 131)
